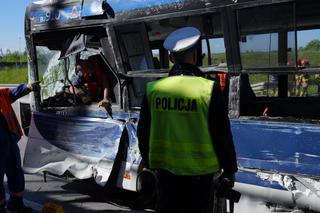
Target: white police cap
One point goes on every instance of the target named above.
(182, 39)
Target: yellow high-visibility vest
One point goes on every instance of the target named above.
(180, 140)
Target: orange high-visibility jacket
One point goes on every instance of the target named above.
(7, 111)
(223, 79)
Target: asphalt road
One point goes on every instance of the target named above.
(86, 196)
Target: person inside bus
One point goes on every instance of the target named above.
(90, 83)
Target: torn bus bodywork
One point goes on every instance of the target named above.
(275, 123)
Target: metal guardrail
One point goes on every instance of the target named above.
(262, 88)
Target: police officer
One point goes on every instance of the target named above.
(10, 160)
(184, 131)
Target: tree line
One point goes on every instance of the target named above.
(14, 57)
(313, 45)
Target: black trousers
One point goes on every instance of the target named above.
(184, 194)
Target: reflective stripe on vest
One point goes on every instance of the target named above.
(8, 113)
(180, 141)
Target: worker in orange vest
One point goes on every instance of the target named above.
(10, 134)
(302, 80)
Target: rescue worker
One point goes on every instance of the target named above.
(302, 80)
(274, 84)
(10, 163)
(304, 85)
(297, 84)
(89, 83)
(184, 131)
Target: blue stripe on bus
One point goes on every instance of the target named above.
(282, 147)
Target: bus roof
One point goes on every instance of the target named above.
(52, 14)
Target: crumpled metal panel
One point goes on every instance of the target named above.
(92, 137)
(87, 147)
(133, 149)
(131, 167)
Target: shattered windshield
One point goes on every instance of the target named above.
(52, 71)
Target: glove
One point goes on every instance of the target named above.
(104, 103)
(34, 86)
(229, 179)
(225, 188)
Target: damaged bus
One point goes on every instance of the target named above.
(268, 51)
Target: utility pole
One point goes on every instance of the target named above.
(20, 50)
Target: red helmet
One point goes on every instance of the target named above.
(303, 62)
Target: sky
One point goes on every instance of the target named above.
(12, 24)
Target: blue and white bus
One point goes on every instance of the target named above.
(269, 51)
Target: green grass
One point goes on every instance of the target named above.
(216, 59)
(13, 75)
(266, 59)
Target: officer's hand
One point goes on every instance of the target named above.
(229, 178)
(34, 86)
(104, 103)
